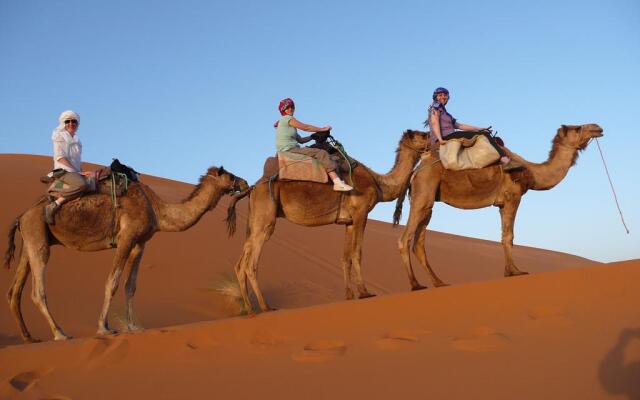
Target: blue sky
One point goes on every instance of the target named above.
(172, 88)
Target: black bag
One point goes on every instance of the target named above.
(130, 173)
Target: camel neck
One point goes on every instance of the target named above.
(177, 217)
(551, 172)
(392, 183)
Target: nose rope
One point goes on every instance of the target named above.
(615, 197)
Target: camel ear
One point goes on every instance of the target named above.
(563, 130)
(221, 170)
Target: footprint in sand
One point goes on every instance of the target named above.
(546, 311)
(202, 342)
(400, 339)
(25, 380)
(266, 340)
(107, 350)
(320, 351)
(481, 340)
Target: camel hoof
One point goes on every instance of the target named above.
(418, 287)
(62, 337)
(134, 328)
(349, 295)
(29, 339)
(366, 295)
(106, 331)
(441, 284)
(515, 273)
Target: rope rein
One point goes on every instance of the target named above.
(114, 202)
(615, 197)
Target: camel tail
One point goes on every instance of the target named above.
(231, 211)
(11, 248)
(397, 214)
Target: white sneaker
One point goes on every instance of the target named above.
(340, 186)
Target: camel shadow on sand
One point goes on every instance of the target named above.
(617, 376)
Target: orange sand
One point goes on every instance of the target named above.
(571, 330)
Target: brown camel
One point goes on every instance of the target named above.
(90, 224)
(479, 188)
(315, 204)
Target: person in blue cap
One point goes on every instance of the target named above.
(443, 127)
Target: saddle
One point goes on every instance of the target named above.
(473, 153)
(299, 167)
(102, 180)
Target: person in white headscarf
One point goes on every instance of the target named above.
(67, 164)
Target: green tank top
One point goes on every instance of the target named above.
(286, 134)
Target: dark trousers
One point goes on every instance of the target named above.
(471, 134)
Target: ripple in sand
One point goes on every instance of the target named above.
(481, 340)
(400, 339)
(320, 351)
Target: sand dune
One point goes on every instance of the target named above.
(569, 330)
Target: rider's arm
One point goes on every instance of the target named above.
(306, 127)
(66, 163)
(466, 127)
(434, 123)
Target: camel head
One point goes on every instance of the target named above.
(415, 140)
(577, 136)
(226, 180)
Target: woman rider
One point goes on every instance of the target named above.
(443, 127)
(67, 159)
(287, 139)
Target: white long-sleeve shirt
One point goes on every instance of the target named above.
(69, 147)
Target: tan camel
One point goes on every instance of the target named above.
(315, 204)
(87, 224)
(479, 188)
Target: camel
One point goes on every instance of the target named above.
(484, 187)
(90, 223)
(315, 204)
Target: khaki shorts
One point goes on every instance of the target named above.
(322, 156)
(70, 185)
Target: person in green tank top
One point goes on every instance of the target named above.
(287, 139)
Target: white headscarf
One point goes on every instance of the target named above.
(66, 145)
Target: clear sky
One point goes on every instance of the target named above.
(174, 87)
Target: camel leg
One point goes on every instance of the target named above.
(346, 261)
(130, 286)
(38, 262)
(420, 250)
(241, 274)
(251, 265)
(508, 217)
(420, 211)
(119, 260)
(356, 256)
(262, 222)
(14, 296)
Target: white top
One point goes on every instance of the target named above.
(67, 146)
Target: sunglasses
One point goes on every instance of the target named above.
(71, 121)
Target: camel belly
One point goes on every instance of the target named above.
(470, 189)
(308, 203)
(85, 224)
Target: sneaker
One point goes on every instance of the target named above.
(340, 186)
(50, 212)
